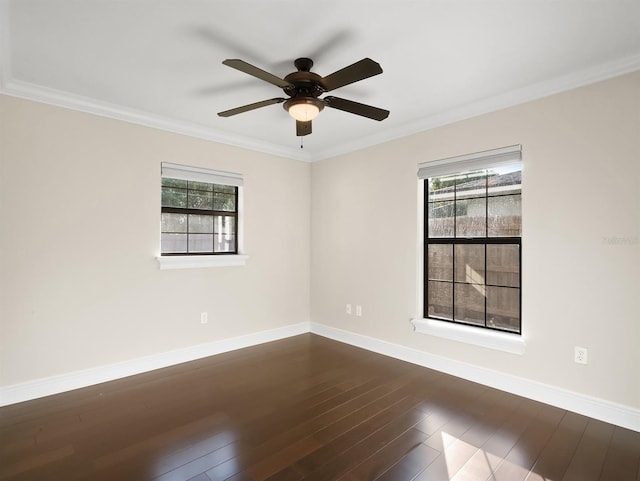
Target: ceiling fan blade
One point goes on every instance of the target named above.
(356, 108)
(246, 108)
(361, 70)
(256, 72)
(303, 128)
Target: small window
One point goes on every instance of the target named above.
(200, 211)
(472, 241)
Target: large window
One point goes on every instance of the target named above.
(199, 211)
(472, 239)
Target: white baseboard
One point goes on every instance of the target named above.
(596, 408)
(88, 377)
(601, 409)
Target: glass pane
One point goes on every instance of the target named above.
(440, 299)
(503, 265)
(470, 303)
(503, 308)
(504, 216)
(201, 186)
(172, 243)
(441, 218)
(505, 180)
(224, 202)
(440, 262)
(470, 263)
(224, 242)
(224, 224)
(224, 189)
(200, 200)
(201, 224)
(174, 222)
(174, 183)
(441, 188)
(471, 217)
(200, 242)
(172, 197)
(473, 184)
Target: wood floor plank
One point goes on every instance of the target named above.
(518, 462)
(358, 443)
(369, 420)
(305, 408)
(461, 415)
(371, 456)
(202, 464)
(200, 477)
(457, 441)
(485, 461)
(588, 460)
(291, 419)
(30, 463)
(289, 447)
(413, 454)
(333, 468)
(449, 462)
(461, 449)
(623, 456)
(555, 457)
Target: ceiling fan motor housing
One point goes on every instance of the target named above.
(303, 82)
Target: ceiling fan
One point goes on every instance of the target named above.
(304, 88)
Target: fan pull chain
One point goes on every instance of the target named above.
(301, 146)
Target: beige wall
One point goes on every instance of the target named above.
(581, 250)
(79, 201)
(80, 286)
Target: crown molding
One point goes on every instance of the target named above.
(58, 98)
(512, 98)
(38, 93)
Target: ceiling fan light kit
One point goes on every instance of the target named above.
(303, 109)
(304, 88)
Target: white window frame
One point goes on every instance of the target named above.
(501, 341)
(199, 174)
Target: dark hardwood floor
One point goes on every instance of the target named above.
(306, 408)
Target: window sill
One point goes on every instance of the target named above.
(190, 262)
(501, 341)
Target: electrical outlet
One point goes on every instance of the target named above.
(580, 355)
(204, 318)
(348, 309)
(359, 311)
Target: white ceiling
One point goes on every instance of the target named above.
(159, 62)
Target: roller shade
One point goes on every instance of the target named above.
(198, 174)
(465, 163)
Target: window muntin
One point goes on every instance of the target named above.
(198, 218)
(473, 248)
